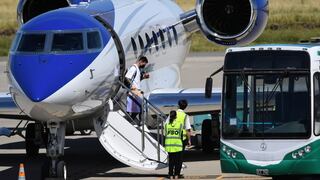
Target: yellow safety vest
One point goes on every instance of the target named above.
(181, 117)
(173, 141)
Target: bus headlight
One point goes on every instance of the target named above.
(233, 155)
(228, 152)
(301, 152)
(224, 148)
(307, 149)
(294, 155)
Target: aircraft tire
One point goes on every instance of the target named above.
(207, 144)
(31, 148)
(61, 170)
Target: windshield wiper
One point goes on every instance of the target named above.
(244, 79)
(268, 98)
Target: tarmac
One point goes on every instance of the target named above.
(86, 158)
(3, 75)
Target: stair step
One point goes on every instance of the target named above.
(124, 142)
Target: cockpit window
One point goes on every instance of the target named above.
(67, 42)
(15, 42)
(32, 43)
(94, 41)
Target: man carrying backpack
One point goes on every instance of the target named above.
(134, 76)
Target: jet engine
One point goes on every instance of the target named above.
(232, 22)
(28, 9)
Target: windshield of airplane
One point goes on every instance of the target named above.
(93, 40)
(268, 100)
(58, 42)
(67, 42)
(32, 43)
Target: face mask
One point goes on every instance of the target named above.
(142, 66)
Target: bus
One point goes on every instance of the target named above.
(270, 123)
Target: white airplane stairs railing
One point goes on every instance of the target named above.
(129, 141)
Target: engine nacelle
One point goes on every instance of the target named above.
(232, 22)
(28, 9)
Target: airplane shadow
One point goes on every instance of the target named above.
(85, 157)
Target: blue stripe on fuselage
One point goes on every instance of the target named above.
(41, 75)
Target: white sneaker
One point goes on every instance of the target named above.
(184, 166)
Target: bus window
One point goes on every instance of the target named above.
(134, 46)
(266, 106)
(316, 81)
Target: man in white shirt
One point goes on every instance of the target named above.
(134, 76)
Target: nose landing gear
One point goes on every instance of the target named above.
(55, 150)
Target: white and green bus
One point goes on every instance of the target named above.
(271, 110)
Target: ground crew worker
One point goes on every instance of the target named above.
(173, 144)
(184, 119)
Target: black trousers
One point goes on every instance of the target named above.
(184, 143)
(133, 115)
(175, 163)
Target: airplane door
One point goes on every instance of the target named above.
(118, 44)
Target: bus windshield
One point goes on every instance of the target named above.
(266, 105)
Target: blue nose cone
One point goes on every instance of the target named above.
(53, 48)
(40, 76)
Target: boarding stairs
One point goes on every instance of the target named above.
(129, 141)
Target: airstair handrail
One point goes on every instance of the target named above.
(155, 108)
(146, 105)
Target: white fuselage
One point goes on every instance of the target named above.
(134, 22)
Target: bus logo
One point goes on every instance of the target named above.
(263, 146)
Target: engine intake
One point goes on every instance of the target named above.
(232, 22)
(28, 9)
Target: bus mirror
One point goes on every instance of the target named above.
(208, 90)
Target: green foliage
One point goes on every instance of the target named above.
(5, 42)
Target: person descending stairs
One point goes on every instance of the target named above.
(130, 142)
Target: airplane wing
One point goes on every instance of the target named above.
(167, 100)
(9, 110)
